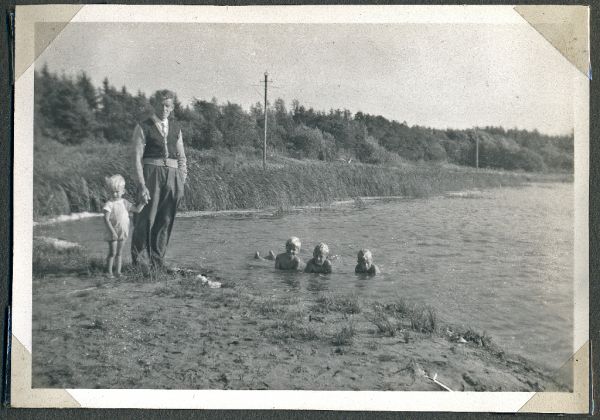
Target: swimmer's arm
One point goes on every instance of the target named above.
(309, 267)
(327, 267)
(298, 264)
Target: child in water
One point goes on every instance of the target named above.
(116, 218)
(365, 263)
(319, 262)
(289, 259)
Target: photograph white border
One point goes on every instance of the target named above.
(26, 16)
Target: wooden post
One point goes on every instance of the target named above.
(265, 139)
(476, 152)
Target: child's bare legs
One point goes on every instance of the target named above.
(118, 257)
(270, 256)
(110, 259)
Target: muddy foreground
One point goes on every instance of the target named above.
(173, 332)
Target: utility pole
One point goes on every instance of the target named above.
(471, 137)
(476, 152)
(265, 139)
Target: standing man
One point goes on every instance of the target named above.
(160, 172)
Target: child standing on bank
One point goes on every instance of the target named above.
(116, 218)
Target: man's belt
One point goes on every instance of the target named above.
(171, 163)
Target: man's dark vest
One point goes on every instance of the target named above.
(155, 143)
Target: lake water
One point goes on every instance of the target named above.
(499, 260)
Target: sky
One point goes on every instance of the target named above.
(437, 75)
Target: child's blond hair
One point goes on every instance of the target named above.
(115, 182)
(293, 241)
(322, 249)
(366, 254)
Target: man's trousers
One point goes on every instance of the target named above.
(153, 225)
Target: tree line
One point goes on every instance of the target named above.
(72, 111)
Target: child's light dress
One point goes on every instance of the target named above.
(119, 218)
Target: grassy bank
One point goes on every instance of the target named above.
(169, 331)
(68, 179)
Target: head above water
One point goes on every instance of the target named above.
(163, 103)
(365, 255)
(364, 260)
(320, 253)
(321, 249)
(293, 245)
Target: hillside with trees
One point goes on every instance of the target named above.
(71, 111)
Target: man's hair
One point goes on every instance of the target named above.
(164, 94)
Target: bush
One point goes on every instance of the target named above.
(371, 152)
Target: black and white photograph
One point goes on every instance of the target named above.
(334, 198)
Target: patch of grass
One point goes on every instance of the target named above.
(306, 332)
(285, 329)
(423, 319)
(381, 320)
(162, 291)
(343, 304)
(47, 259)
(473, 336)
(268, 307)
(400, 308)
(345, 336)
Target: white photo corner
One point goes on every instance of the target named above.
(301, 207)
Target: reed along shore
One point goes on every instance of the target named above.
(68, 180)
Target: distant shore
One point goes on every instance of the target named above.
(171, 331)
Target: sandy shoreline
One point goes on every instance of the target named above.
(174, 333)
